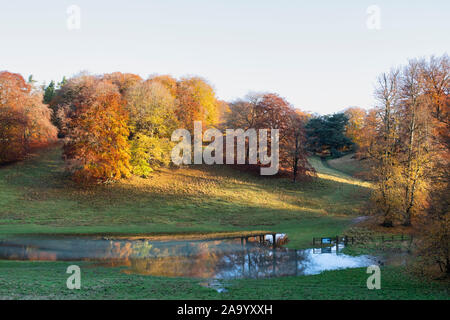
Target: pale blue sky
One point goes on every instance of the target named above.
(318, 54)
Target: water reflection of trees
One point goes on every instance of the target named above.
(249, 257)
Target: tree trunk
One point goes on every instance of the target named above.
(387, 223)
(447, 267)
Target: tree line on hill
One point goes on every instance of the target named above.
(119, 124)
(115, 125)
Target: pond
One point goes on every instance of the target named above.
(260, 256)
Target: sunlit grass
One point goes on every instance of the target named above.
(345, 180)
(350, 165)
(38, 196)
(325, 171)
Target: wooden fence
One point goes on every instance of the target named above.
(354, 239)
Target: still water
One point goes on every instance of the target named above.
(230, 258)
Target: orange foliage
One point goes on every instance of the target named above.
(97, 133)
(167, 81)
(274, 112)
(270, 111)
(24, 119)
(355, 124)
(123, 81)
(196, 102)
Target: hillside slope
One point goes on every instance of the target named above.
(37, 196)
(351, 166)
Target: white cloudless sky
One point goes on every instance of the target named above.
(319, 55)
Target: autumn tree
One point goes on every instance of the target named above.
(353, 129)
(274, 112)
(435, 245)
(408, 148)
(367, 134)
(196, 101)
(24, 118)
(387, 193)
(56, 96)
(414, 134)
(298, 153)
(95, 121)
(223, 111)
(169, 82)
(270, 111)
(152, 120)
(123, 81)
(243, 112)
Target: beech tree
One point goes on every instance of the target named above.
(435, 245)
(196, 102)
(367, 134)
(243, 113)
(274, 112)
(152, 120)
(95, 121)
(123, 81)
(387, 194)
(414, 129)
(24, 118)
(353, 129)
(169, 82)
(300, 164)
(407, 142)
(270, 111)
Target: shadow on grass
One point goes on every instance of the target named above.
(198, 197)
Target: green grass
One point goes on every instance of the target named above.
(351, 166)
(37, 196)
(47, 280)
(367, 241)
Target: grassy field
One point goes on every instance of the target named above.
(351, 166)
(37, 196)
(47, 280)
